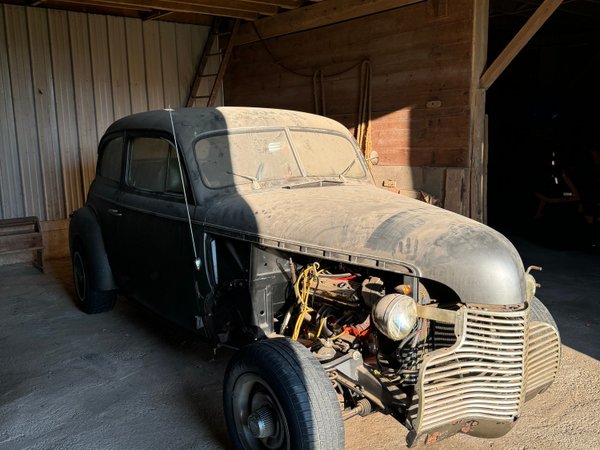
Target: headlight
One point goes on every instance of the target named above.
(531, 286)
(395, 315)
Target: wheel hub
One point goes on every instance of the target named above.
(261, 423)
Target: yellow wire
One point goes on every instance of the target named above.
(338, 335)
(323, 320)
(307, 276)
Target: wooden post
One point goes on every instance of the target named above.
(476, 203)
(479, 144)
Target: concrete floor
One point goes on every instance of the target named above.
(127, 380)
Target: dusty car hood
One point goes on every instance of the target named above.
(478, 263)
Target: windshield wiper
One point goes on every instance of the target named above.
(312, 183)
(346, 170)
(255, 183)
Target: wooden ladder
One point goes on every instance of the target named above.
(207, 82)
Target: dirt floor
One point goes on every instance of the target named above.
(564, 417)
(127, 380)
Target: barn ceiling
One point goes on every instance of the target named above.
(186, 11)
(203, 11)
(503, 13)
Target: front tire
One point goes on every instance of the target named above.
(277, 396)
(89, 300)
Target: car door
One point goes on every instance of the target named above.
(105, 192)
(154, 239)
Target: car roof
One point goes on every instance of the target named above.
(190, 123)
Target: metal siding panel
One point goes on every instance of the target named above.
(84, 98)
(45, 108)
(11, 190)
(71, 75)
(118, 66)
(24, 109)
(154, 76)
(103, 95)
(168, 49)
(185, 61)
(66, 118)
(135, 57)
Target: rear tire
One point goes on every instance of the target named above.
(89, 300)
(276, 395)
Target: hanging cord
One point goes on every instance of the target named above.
(363, 127)
(292, 71)
(364, 117)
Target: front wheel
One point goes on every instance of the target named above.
(277, 396)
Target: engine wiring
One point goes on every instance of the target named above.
(333, 310)
(302, 290)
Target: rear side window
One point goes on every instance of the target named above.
(111, 159)
(154, 166)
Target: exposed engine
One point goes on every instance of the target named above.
(337, 311)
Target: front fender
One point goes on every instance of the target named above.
(85, 230)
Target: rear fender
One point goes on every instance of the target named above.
(84, 229)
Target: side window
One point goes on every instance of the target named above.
(173, 177)
(154, 166)
(111, 159)
(148, 168)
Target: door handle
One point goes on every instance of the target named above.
(115, 212)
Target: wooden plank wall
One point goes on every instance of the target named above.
(64, 77)
(421, 58)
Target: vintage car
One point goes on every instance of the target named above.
(263, 230)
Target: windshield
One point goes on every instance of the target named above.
(327, 155)
(255, 156)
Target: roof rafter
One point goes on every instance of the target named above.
(176, 7)
(313, 16)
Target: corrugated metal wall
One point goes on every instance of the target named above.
(64, 77)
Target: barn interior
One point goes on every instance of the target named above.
(543, 139)
(517, 149)
(487, 108)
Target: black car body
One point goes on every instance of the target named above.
(264, 226)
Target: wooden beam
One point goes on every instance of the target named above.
(314, 16)
(157, 15)
(285, 4)
(535, 22)
(178, 7)
(236, 5)
(110, 6)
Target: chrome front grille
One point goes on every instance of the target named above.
(543, 357)
(481, 376)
